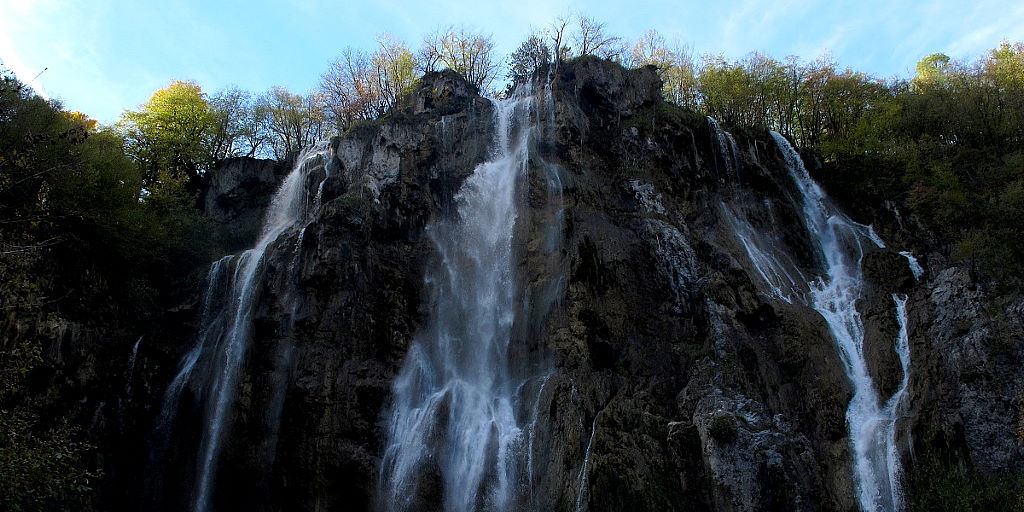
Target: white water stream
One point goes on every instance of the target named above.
(233, 286)
(454, 399)
(871, 422)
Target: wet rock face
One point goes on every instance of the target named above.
(675, 380)
(695, 389)
(327, 372)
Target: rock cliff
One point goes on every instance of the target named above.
(672, 375)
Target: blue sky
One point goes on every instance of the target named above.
(103, 56)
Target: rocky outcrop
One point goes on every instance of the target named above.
(236, 195)
(968, 390)
(672, 377)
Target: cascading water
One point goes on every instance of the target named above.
(871, 423)
(773, 265)
(131, 368)
(581, 484)
(915, 266)
(222, 342)
(455, 397)
(727, 148)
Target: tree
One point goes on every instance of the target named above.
(724, 91)
(171, 133)
(362, 86)
(680, 81)
(292, 121)
(651, 49)
(531, 56)
(31, 145)
(464, 52)
(557, 35)
(237, 130)
(592, 39)
(932, 71)
(348, 89)
(394, 67)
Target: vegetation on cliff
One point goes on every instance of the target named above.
(78, 244)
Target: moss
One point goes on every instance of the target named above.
(723, 428)
(942, 485)
(362, 125)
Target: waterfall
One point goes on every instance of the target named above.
(233, 285)
(915, 266)
(455, 398)
(727, 147)
(839, 242)
(774, 267)
(582, 483)
(131, 368)
(892, 409)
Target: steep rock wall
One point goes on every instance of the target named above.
(677, 379)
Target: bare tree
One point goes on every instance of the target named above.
(651, 49)
(465, 52)
(556, 33)
(592, 39)
(347, 89)
(362, 86)
(237, 128)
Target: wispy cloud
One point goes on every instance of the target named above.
(104, 55)
(19, 18)
(986, 27)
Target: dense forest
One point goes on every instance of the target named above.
(102, 221)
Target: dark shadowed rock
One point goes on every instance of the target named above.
(236, 196)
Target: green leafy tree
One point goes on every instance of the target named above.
(531, 56)
(932, 70)
(394, 67)
(170, 132)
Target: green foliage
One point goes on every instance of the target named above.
(945, 146)
(395, 67)
(41, 469)
(531, 56)
(723, 428)
(169, 132)
(932, 70)
(938, 485)
(80, 237)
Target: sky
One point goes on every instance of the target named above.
(104, 56)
